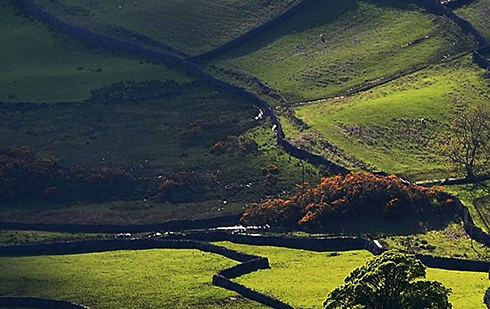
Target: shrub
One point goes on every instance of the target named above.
(356, 195)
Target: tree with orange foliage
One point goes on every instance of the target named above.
(352, 196)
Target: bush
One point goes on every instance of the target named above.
(356, 195)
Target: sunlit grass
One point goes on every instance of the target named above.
(363, 41)
(162, 278)
(383, 126)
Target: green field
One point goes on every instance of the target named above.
(155, 139)
(476, 198)
(181, 278)
(39, 65)
(185, 28)
(477, 13)
(304, 278)
(123, 279)
(364, 43)
(159, 123)
(383, 126)
(452, 241)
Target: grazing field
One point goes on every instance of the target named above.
(39, 65)
(476, 198)
(478, 13)
(205, 139)
(161, 278)
(383, 126)
(182, 27)
(304, 278)
(362, 43)
(451, 241)
(9, 237)
(468, 288)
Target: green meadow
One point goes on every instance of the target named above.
(181, 278)
(391, 127)
(39, 65)
(451, 241)
(304, 278)
(161, 278)
(186, 28)
(476, 198)
(364, 42)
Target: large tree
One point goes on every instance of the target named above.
(467, 144)
(389, 281)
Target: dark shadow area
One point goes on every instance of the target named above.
(409, 225)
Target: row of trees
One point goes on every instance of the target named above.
(345, 197)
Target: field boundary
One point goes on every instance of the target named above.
(250, 34)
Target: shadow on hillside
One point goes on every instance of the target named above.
(377, 227)
(315, 15)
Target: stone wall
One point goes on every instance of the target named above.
(250, 34)
(37, 302)
(176, 225)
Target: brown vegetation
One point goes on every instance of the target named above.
(356, 195)
(26, 176)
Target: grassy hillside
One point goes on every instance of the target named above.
(383, 126)
(133, 118)
(363, 43)
(478, 13)
(173, 138)
(39, 65)
(178, 26)
(124, 279)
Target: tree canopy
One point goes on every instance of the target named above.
(389, 281)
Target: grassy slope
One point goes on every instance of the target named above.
(146, 138)
(364, 41)
(304, 278)
(192, 27)
(449, 242)
(478, 13)
(476, 198)
(41, 66)
(123, 279)
(382, 126)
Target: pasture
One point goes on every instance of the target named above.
(362, 43)
(185, 28)
(304, 278)
(156, 140)
(477, 12)
(123, 279)
(39, 65)
(180, 278)
(383, 127)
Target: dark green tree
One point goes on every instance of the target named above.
(389, 281)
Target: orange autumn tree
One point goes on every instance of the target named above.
(355, 195)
